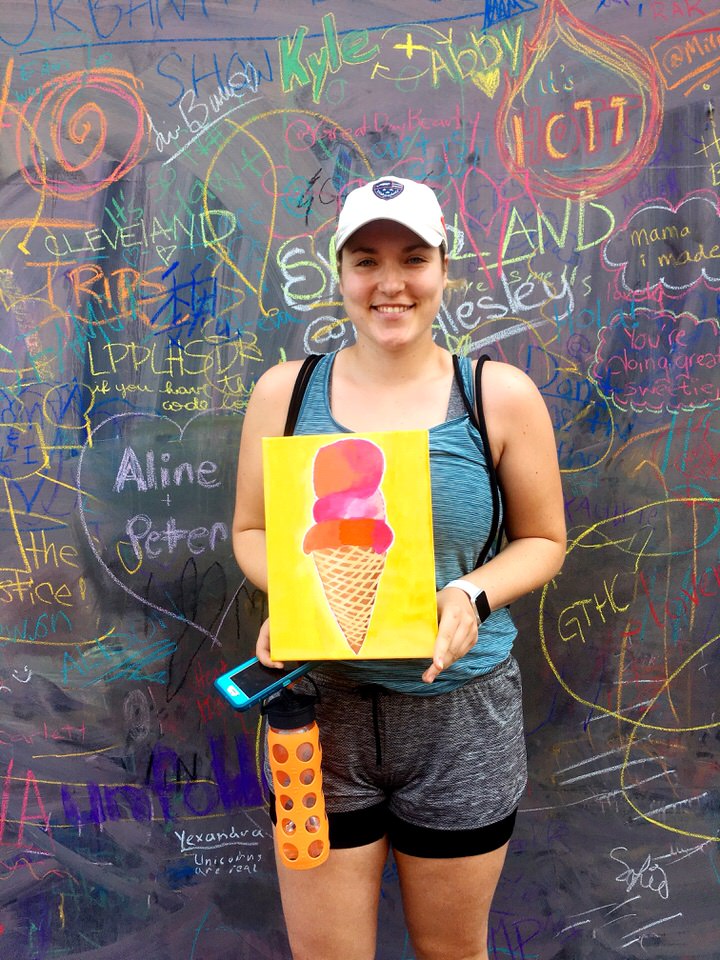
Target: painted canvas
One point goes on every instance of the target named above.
(350, 548)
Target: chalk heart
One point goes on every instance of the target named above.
(156, 505)
(131, 255)
(473, 65)
(166, 254)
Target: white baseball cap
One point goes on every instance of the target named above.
(412, 204)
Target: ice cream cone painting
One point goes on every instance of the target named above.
(349, 535)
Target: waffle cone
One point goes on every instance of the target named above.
(350, 577)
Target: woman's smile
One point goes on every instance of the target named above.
(390, 309)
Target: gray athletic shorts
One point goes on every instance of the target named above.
(440, 775)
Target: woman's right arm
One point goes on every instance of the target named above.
(265, 417)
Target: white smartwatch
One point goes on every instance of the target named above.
(477, 597)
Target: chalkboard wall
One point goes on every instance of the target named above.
(170, 175)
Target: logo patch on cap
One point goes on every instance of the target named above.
(387, 189)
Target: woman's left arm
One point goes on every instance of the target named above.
(525, 456)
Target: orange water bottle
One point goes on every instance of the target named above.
(294, 752)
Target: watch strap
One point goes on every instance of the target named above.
(477, 597)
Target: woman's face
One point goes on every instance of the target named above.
(392, 283)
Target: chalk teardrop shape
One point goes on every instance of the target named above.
(584, 114)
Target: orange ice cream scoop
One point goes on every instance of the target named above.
(353, 464)
(376, 535)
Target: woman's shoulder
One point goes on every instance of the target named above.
(510, 397)
(268, 405)
(501, 379)
(276, 384)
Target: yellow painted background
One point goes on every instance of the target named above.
(404, 618)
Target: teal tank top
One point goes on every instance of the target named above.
(462, 520)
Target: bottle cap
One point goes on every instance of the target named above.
(289, 710)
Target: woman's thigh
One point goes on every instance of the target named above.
(331, 910)
(447, 903)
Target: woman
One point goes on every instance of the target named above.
(426, 758)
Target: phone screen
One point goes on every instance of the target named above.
(256, 678)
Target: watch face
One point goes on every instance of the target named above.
(483, 607)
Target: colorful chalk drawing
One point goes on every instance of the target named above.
(618, 614)
(67, 114)
(170, 177)
(665, 361)
(596, 142)
(664, 249)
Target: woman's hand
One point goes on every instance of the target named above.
(457, 630)
(262, 647)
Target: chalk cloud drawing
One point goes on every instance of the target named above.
(660, 361)
(665, 250)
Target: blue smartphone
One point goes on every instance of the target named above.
(251, 682)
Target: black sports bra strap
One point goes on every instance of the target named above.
(469, 409)
(477, 417)
(298, 393)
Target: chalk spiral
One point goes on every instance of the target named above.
(74, 112)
